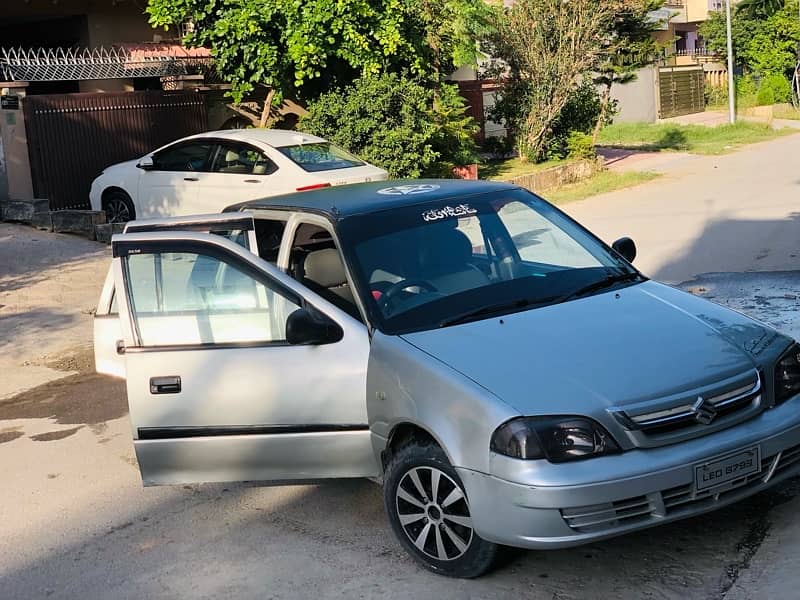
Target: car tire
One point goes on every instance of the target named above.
(118, 207)
(436, 531)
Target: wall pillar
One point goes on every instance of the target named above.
(15, 167)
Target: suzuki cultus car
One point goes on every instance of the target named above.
(506, 376)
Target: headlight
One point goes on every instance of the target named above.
(556, 438)
(787, 374)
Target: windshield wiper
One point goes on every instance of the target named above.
(607, 281)
(493, 309)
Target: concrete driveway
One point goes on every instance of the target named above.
(75, 521)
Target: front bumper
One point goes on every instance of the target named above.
(534, 504)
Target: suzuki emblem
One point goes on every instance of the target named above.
(704, 412)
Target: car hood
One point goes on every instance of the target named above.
(611, 349)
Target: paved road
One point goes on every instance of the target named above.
(736, 212)
(75, 521)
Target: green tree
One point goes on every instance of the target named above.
(759, 8)
(546, 47)
(761, 45)
(397, 123)
(301, 48)
(629, 48)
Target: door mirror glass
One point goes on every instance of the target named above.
(626, 248)
(145, 163)
(305, 326)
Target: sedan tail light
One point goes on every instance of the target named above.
(315, 186)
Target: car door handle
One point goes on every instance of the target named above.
(252, 181)
(165, 385)
(191, 179)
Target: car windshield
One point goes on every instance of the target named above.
(320, 156)
(464, 258)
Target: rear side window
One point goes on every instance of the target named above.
(242, 159)
(320, 156)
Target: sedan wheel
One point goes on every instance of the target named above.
(434, 514)
(429, 512)
(118, 208)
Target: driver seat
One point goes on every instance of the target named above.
(445, 263)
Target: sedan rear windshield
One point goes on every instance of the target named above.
(320, 156)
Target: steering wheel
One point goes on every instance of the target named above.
(388, 297)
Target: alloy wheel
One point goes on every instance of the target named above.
(117, 210)
(434, 514)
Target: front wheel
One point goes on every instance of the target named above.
(118, 207)
(429, 513)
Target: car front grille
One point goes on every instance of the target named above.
(687, 412)
(609, 516)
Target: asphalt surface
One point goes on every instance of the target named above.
(75, 521)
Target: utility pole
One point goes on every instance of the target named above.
(731, 83)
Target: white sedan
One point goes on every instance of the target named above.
(205, 173)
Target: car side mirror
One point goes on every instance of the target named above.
(308, 327)
(145, 163)
(626, 248)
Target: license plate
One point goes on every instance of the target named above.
(728, 468)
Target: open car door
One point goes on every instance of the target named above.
(215, 390)
(237, 226)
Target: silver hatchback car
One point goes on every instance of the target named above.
(507, 377)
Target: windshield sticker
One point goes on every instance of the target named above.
(409, 190)
(462, 210)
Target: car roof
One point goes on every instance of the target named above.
(341, 201)
(272, 137)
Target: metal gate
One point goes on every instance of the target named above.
(73, 137)
(681, 91)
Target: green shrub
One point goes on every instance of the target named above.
(579, 115)
(398, 124)
(774, 88)
(746, 91)
(716, 95)
(579, 145)
(498, 147)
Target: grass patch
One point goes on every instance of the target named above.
(506, 168)
(687, 138)
(599, 183)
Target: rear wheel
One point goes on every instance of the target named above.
(429, 513)
(118, 207)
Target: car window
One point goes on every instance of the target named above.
(186, 298)
(423, 266)
(269, 233)
(315, 261)
(320, 156)
(193, 156)
(232, 157)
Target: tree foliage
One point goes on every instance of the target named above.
(547, 48)
(301, 48)
(630, 47)
(762, 45)
(396, 123)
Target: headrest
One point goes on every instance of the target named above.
(260, 169)
(325, 268)
(231, 156)
(446, 250)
